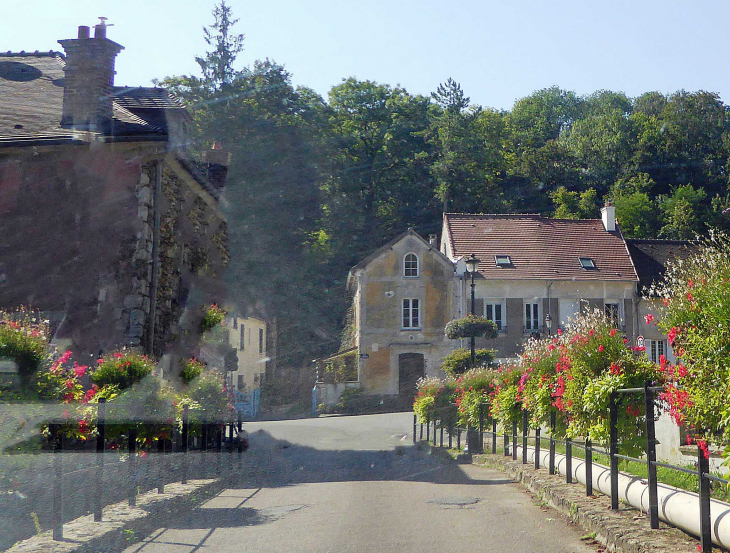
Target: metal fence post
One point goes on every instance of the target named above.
(568, 461)
(537, 448)
(505, 437)
(132, 448)
(204, 457)
(613, 448)
(451, 437)
(428, 428)
(184, 444)
(415, 422)
(434, 430)
(458, 438)
(551, 462)
(589, 468)
(525, 430)
(514, 441)
(100, 441)
(481, 428)
(494, 436)
(651, 455)
(703, 468)
(57, 517)
(441, 435)
(219, 447)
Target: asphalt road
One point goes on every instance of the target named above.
(342, 484)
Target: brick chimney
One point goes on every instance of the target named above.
(217, 160)
(87, 89)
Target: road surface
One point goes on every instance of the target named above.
(341, 484)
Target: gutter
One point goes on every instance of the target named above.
(155, 260)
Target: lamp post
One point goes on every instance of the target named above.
(549, 324)
(472, 264)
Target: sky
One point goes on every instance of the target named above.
(499, 51)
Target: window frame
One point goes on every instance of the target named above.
(261, 341)
(652, 349)
(590, 267)
(406, 314)
(406, 268)
(619, 321)
(494, 303)
(242, 337)
(507, 263)
(535, 318)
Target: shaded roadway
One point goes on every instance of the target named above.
(358, 484)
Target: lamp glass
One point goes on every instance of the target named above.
(472, 264)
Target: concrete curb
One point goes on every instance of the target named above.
(625, 530)
(83, 534)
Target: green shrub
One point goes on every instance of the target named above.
(209, 392)
(214, 316)
(24, 340)
(191, 369)
(122, 369)
(459, 360)
(471, 326)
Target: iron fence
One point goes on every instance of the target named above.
(475, 437)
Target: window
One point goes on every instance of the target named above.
(261, 340)
(655, 349)
(587, 263)
(493, 312)
(235, 323)
(503, 260)
(242, 341)
(410, 265)
(613, 313)
(241, 383)
(411, 314)
(532, 317)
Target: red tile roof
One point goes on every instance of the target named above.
(539, 248)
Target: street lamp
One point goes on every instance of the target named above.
(549, 323)
(472, 264)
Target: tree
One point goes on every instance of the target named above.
(635, 210)
(574, 205)
(217, 66)
(683, 212)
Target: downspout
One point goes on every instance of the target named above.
(550, 285)
(461, 307)
(154, 285)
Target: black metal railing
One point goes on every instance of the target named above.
(450, 414)
(204, 436)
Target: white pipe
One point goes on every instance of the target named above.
(677, 507)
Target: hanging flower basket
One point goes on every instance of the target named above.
(471, 326)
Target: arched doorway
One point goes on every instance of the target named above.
(411, 367)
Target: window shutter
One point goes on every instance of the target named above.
(478, 306)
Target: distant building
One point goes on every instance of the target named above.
(249, 340)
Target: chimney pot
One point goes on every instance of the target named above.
(84, 31)
(100, 31)
(433, 239)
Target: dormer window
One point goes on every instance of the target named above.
(410, 265)
(503, 260)
(587, 263)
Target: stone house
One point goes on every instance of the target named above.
(404, 294)
(109, 227)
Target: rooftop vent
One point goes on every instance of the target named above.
(503, 261)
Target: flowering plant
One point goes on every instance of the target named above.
(471, 325)
(474, 388)
(214, 316)
(459, 360)
(24, 340)
(435, 398)
(210, 394)
(695, 314)
(122, 368)
(191, 369)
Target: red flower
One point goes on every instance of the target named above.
(591, 332)
(672, 335)
(118, 355)
(69, 384)
(560, 331)
(690, 283)
(601, 348)
(80, 370)
(612, 332)
(649, 318)
(615, 368)
(689, 296)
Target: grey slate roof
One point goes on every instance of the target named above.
(31, 102)
(652, 256)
